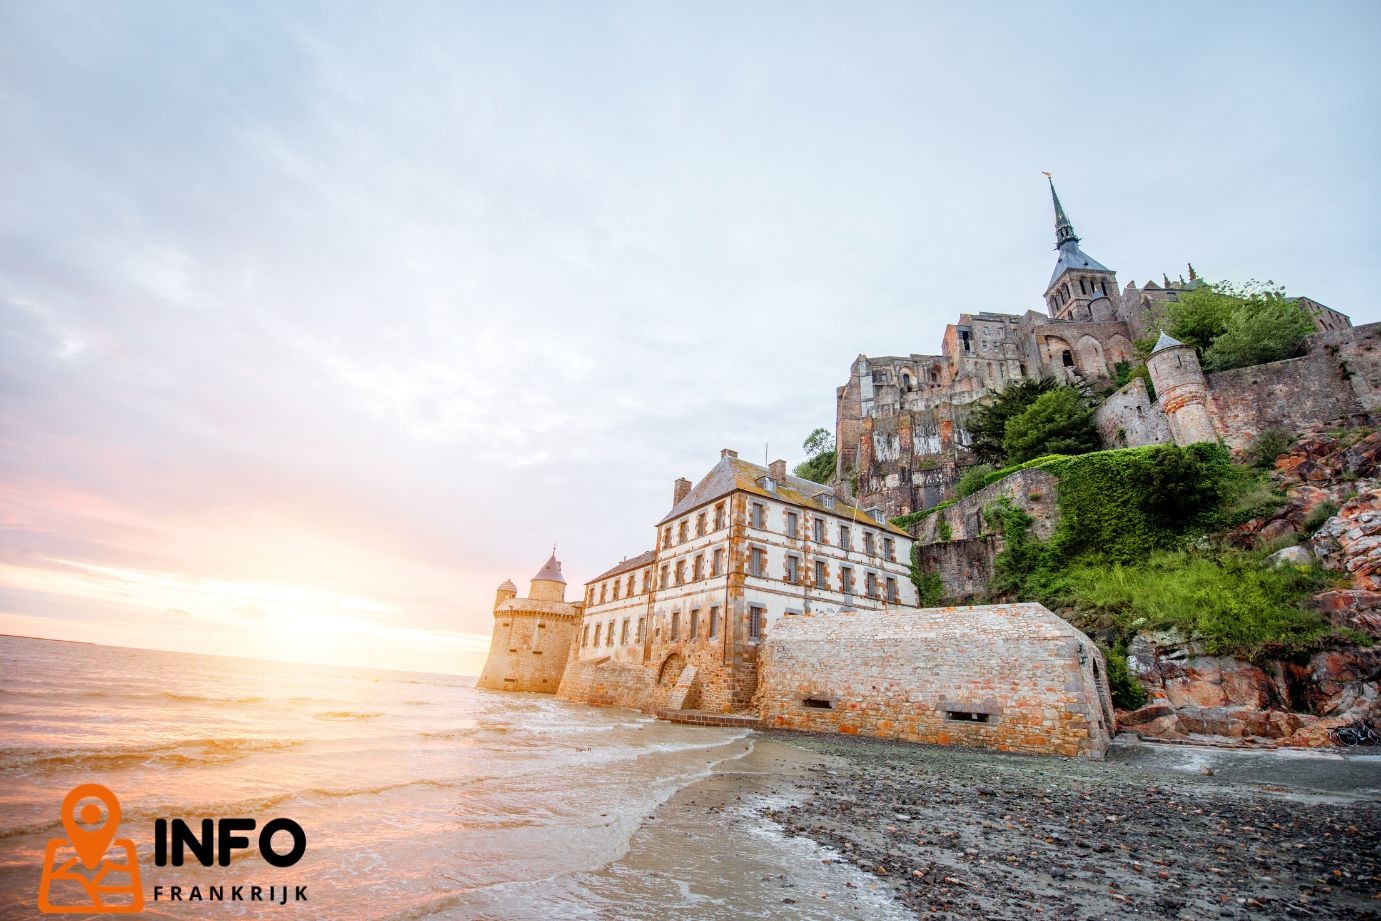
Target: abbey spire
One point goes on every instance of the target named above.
(1064, 230)
(1080, 288)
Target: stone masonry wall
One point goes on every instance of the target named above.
(528, 651)
(1128, 418)
(1339, 378)
(1032, 491)
(1005, 677)
(607, 683)
(965, 566)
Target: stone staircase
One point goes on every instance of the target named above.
(676, 700)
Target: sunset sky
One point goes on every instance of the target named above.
(321, 319)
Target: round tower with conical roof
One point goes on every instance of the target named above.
(532, 636)
(1182, 390)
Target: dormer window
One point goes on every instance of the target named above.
(827, 501)
(768, 484)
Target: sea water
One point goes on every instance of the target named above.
(421, 797)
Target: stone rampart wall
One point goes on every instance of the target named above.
(528, 652)
(1129, 419)
(1006, 677)
(1032, 491)
(965, 566)
(1339, 378)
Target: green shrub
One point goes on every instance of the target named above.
(910, 519)
(987, 425)
(818, 467)
(1321, 513)
(942, 528)
(1229, 601)
(1267, 446)
(973, 480)
(1271, 331)
(1060, 421)
(930, 588)
(1127, 692)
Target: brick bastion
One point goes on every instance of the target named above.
(1009, 677)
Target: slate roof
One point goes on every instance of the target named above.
(551, 572)
(732, 473)
(1166, 341)
(507, 586)
(1072, 257)
(646, 558)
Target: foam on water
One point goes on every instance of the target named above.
(420, 795)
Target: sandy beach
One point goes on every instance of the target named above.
(1150, 831)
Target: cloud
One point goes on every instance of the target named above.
(378, 307)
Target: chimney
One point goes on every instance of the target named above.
(777, 471)
(727, 452)
(843, 492)
(680, 489)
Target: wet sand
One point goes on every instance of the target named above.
(1147, 833)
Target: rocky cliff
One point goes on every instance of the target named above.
(1332, 517)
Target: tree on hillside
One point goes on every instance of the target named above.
(1059, 422)
(818, 467)
(987, 425)
(1271, 331)
(1231, 325)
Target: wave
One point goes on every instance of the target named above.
(349, 715)
(200, 698)
(170, 754)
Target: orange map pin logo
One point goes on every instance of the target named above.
(65, 888)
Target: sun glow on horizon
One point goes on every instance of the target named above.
(264, 620)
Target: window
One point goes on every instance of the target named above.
(756, 615)
(666, 536)
(1067, 358)
(680, 572)
(790, 524)
(822, 576)
(666, 575)
(868, 543)
(631, 577)
(844, 537)
(870, 584)
(698, 569)
(714, 622)
(589, 596)
(647, 580)
(793, 569)
(846, 579)
(623, 633)
(717, 563)
(719, 516)
(616, 589)
(757, 561)
(603, 589)
(892, 591)
(818, 525)
(585, 635)
(700, 525)
(641, 633)
(609, 634)
(694, 623)
(598, 627)
(759, 513)
(683, 531)
(889, 548)
(675, 625)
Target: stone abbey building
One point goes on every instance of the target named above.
(900, 420)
